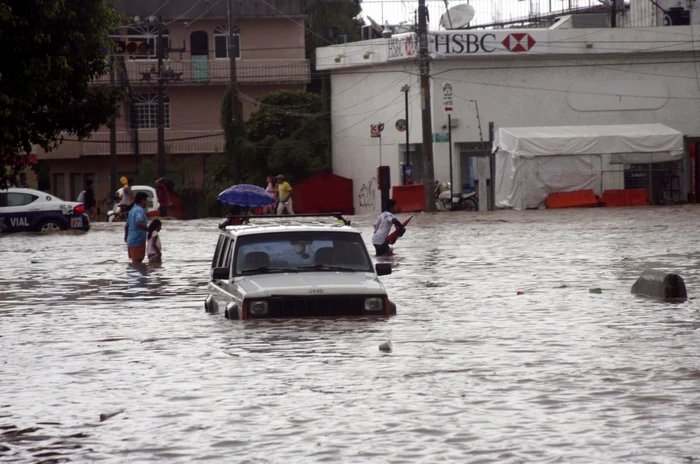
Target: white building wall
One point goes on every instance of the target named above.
(585, 77)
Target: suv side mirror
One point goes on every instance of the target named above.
(220, 273)
(383, 269)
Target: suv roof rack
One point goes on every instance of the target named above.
(245, 219)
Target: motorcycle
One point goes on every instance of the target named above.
(465, 201)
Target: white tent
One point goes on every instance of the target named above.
(532, 162)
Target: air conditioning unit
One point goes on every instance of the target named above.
(677, 16)
(590, 21)
(368, 33)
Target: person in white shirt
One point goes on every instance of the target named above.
(155, 252)
(382, 228)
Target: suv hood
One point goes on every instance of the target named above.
(315, 283)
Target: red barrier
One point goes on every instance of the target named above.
(409, 198)
(575, 199)
(323, 193)
(630, 197)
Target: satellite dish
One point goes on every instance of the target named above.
(375, 25)
(457, 16)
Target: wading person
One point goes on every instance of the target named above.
(155, 251)
(89, 200)
(284, 191)
(163, 196)
(382, 228)
(136, 229)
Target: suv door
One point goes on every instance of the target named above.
(17, 211)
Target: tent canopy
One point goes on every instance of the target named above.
(531, 142)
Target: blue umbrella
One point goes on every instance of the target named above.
(246, 195)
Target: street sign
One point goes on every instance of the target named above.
(375, 130)
(447, 97)
(401, 125)
(441, 137)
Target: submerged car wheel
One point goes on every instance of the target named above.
(49, 225)
(392, 308)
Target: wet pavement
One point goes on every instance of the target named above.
(478, 372)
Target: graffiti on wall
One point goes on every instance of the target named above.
(367, 194)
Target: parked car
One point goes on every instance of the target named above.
(25, 210)
(152, 209)
(295, 268)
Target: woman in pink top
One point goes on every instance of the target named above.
(272, 190)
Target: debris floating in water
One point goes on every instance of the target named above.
(520, 293)
(595, 290)
(109, 415)
(386, 346)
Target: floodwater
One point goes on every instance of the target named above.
(478, 372)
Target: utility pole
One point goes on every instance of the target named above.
(235, 117)
(112, 137)
(613, 13)
(428, 173)
(161, 103)
(405, 89)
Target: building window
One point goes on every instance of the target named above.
(59, 185)
(221, 42)
(146, 110)
(149, 34)
(76, 186)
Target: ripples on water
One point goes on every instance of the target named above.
(478, 373)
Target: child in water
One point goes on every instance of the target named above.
(154, 249)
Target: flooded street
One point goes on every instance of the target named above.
(478, 373)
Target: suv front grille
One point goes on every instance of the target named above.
(336, 306)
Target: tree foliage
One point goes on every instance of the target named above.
(51, 51)
(289, 134)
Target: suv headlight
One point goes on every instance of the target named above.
(374, 304)
(259, 308)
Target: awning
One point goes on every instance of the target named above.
(662, 143)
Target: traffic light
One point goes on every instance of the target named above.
(137, 47)
(131, 47)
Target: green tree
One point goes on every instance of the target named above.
(290, 134)
(236, 144)
(51, 51)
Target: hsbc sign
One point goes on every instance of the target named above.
(470, 43)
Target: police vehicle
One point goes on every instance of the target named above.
(26, 210)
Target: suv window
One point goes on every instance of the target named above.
(222, 255)
(312, 251)
(16, 199)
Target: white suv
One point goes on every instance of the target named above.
(295, 267)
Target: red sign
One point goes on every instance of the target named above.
(375, 130)
(521, 42)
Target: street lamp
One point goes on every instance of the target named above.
(405, 90)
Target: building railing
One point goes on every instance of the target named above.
(176, 142)
(207, 71)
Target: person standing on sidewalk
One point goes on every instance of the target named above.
(136, 229)
(284, 191)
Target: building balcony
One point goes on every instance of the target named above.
(213, 72)
(176, 143)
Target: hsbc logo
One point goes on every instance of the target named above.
(521, 42)
(469, 43)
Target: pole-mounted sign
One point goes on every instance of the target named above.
(447, 97)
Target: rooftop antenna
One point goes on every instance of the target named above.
(457, 17)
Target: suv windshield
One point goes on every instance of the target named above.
(312, 251)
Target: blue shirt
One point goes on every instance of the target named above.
(137, 236)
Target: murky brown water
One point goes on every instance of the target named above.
(478, 373)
